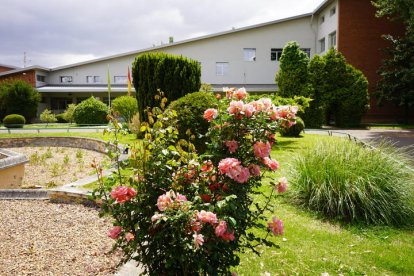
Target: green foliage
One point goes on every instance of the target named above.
(396, 82)
(346, 181)
(190, 110)
(14, 121)
(174, 75)
(18, 97)
(292, 77)
(68, 114)
(48, 117)
(294, 130)
(61, 118)
(126, 106)
(90, 111)
(339, 89)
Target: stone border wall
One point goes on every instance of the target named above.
(71, 142)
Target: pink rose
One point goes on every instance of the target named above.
(276, 226)
(239, 174)
(267, 103)
(129, 236)
(248, 110)
(281, 185)
(235, 107)
(198, 240)
(156, 217)
(207, 217)
(227, 163)
(254, 169)
(262, 149)
(228, 236)
(114, 232)
(180, 197)
(207, 166)
(232, 145)
(240, 94)
(123, 193)
(258, 106)
(221, 228)
(271, 164)
(210, 114)
(163, 202)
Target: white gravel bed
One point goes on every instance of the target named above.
(42, 238)
(55, 166)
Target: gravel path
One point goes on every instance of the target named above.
(41, 238)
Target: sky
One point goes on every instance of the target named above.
(53, 33)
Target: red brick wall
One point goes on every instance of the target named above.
(4, 69)
(359, 39)
(28, 76)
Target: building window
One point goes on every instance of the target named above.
(66, 79)
(332, 40)
(322, 45)
(121, 79)
(249, 54)
(59, 105)
(306, 50)
(322, 19)
(275, 53)
(332, 11)
(40, 78)
(222, 68)
(93, 79)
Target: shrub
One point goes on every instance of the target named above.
(126, 106)
(90, 111)
(47, 117)
(61, 118)
(18, 97)
(14, 121)
(174, 75)
(182, 214)
(68, 114)
(343, 90)
(294, 130)
(292, 77)
(346, 181)
(190, 109)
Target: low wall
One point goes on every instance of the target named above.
(71, 142)
(11, 169)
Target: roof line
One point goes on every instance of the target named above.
(185, 41)
(33, 67)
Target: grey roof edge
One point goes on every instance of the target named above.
(185, 41)
(9, 66)
(19, 70)
(322, 6)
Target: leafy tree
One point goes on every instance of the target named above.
(314, 116)
(91, 111)
(68, 114)
(126, 106)
(397, 72)
(339, 88)
(47, 117)
(292, 77)
(18, 97)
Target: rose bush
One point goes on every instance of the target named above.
(184, 214)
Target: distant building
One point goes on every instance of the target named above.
(246, 56)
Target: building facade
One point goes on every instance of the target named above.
(247, 57)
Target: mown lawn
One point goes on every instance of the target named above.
(312, 246)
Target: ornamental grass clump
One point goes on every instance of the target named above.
(346, 181)
(185, 214)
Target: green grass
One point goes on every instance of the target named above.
(390, 126)
(311, 246)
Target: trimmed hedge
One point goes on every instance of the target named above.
(295, 130)
(176, 76)
(190, 110)
(90, 112)
(14, 121)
